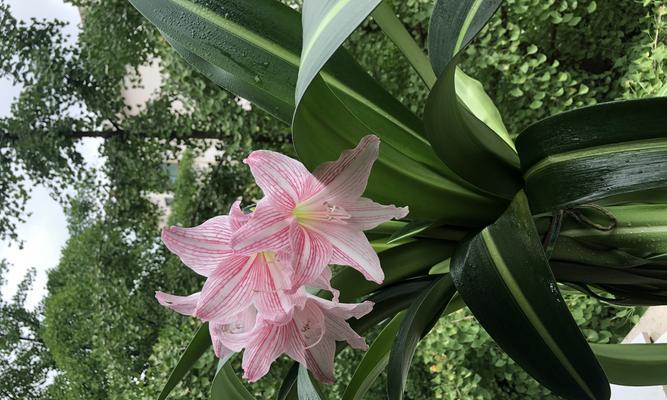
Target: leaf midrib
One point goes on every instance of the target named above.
(648, 145)
(529, 311)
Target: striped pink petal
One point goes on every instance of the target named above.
(366, 214)
(181, 304)
(351, 247)
(280, 177)
(237, 218)
(324, 282)
(228, 291)
(311, 254)
(336, 315)
(347, 177)
(271, 281)
(203, 247)
(233, 335)
(267, 229)
(269, 342)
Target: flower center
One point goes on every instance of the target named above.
(320, 212)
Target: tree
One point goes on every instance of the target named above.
(25, 361)
(71, 93)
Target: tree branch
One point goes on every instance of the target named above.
(8, 137)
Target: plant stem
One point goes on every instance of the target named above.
(386, 18)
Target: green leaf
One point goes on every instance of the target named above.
(633, 364)
(411, 229)
(374, 361)
(385, 17)
(197, 347)
(249, 47)
(504, 278)
(227, 385)
(418, 321)
(326, 25)
(305, 386)
(398, 264)
(461, 122)
(330, 119)
(596, 152)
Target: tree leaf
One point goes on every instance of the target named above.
(504, 278)
(374, 361)
(633, 364)
(418, 321)
(458, 112)
(197, 347)
(595, 152)
(227, 385)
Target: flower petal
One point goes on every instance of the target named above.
(335, 316)
(320, 360)
(280, 177)
(271, 281)
(267, 229)
(346, 177)
(237, 218)
(181, 304)
(366, 214)
(269, 342)
(306, 330)
(324, 282)
(311, 254)
(235, 334)
(203, 247)
(351, 247)
(228, 291)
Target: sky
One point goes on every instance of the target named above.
(44, 232)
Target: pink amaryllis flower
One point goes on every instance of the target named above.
(234, 280)
(308, 338)
(320, 216)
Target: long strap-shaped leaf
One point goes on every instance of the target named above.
(253, 46)
(306, 388)
(459, 116)
(374, 361)
(504, 278)
(595, 152)
(227, 385)
(633, 364)
(197, 347)
(418, 321)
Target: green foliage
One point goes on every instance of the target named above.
(25, 362)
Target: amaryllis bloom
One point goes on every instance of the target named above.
(320, 216)
(308, 338)
(234, 281)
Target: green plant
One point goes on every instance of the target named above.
(459, 170)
